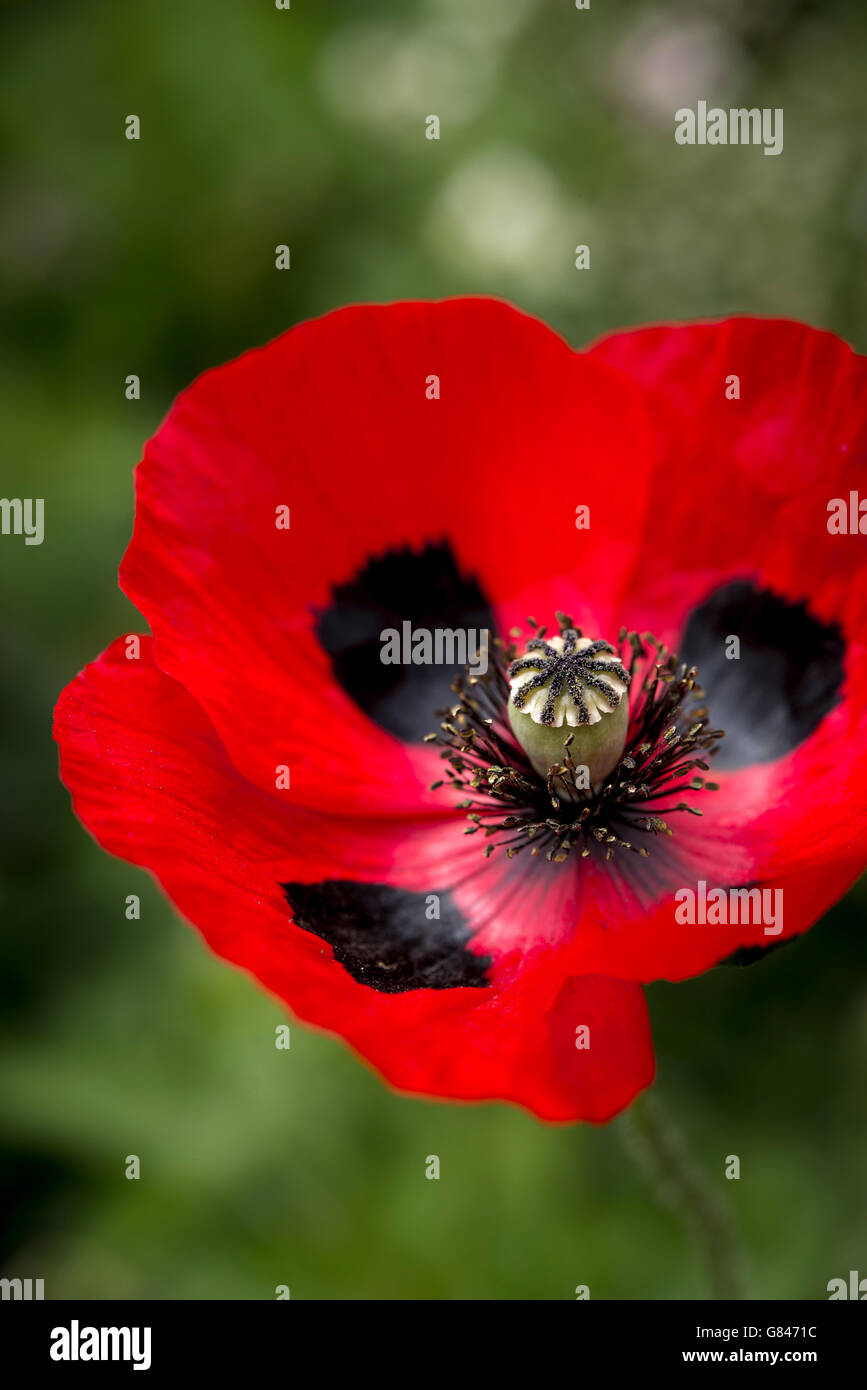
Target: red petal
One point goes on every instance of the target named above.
(742, 486)
(151, 780)
(332, 420)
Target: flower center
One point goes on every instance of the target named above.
(548, 756)
(573, 681)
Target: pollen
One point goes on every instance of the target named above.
(568, 680)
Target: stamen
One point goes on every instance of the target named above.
(516, 808)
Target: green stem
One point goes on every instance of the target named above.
(681, 1186)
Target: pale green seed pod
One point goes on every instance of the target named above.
(570, 685)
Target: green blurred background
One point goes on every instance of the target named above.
(261, 127)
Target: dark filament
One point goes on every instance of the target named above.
(668, 739)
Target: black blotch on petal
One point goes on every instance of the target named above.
(384, 938)
(425, 588)
(787, 679)
(751, 955)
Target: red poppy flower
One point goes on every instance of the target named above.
(427, 464)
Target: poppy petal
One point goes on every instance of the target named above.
(335, 423)
(741, 485)
(151, 780)
(760, 425)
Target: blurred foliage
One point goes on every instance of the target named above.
(261, 127)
